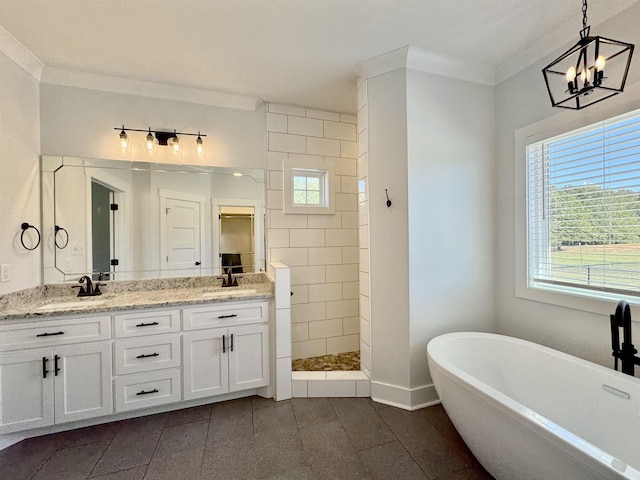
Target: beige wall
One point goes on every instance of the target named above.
(322, 250)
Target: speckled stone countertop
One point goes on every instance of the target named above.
(61, 299)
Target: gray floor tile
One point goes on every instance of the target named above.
(390, 461)
(189, 415)
(231, 422)
(179, 465)
(135, 473)
(73, 463)
(302, 473)
(188, 436)
(311, 411)
(275, 421)
(132, 446)
(22, 460)
(277, 457)
(362, 423)
(229, 462)
(96, 433)
(261, 402)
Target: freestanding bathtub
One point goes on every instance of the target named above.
(530, 412)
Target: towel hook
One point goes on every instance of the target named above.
(387, 194)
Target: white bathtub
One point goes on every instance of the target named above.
(530, 412)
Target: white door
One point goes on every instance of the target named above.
(183, 236)
(82, 381)
(26, 390)
(206, 363)
(248, 357)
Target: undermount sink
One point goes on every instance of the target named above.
(224, 293)
(81, 303)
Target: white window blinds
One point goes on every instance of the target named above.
(583, 208)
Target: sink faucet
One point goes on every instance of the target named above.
(229, 280)
(626, 353)
(90, 290)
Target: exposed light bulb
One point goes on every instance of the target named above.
(571, 74)
(600, 63)
(199, 146)
(124, 141)
(151, 142)
(174, 143)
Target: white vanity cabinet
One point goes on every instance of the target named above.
(67, 378)
(231, 357)
(147, 358)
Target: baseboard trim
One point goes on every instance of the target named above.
(402, 397)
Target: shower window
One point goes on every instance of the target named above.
(308, 186)
(583, 209)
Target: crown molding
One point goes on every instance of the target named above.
(109, 83)
(416, 58)
(20, 55)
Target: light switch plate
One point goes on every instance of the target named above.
(4, 272)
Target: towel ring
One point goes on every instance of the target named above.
(60, 229)
(25, 226)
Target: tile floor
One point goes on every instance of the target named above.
(250, 438)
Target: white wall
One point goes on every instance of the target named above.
(450, 125)
(522, 100)
(430, 144)
(80, 122)
(19, 173)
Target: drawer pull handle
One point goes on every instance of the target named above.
(231, 343)
(56, 369)
(224, 349)
(155, 390)
(44, 367)
(47, 334)
(147, 324)
(149, 355)
(228, 316)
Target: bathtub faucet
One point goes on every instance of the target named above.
(626, 353)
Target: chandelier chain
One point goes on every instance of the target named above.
(584, 13)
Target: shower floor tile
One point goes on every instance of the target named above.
(347, 361)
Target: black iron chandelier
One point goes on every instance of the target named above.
(158, 137)
(593, 70)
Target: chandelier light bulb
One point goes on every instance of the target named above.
(571, 74)
(600, 63)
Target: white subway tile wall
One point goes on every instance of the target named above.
(322, 250)
(363, 237)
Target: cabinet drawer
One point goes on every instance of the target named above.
(142, 390)
(145, 354)
(146, 323)
(225, 314)
(17, 336)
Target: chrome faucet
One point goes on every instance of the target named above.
(627, 352)
(90, 290)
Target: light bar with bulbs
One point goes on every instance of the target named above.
(155, 138)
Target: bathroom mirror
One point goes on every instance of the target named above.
(121, 220)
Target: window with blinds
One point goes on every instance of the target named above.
(583, 191)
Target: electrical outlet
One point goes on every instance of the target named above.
(74, 248)
(4, 272)
(80, 248)
(67, 264)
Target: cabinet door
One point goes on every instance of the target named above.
(205, 363)
(82, 382)
(26, 396)
(248, 357)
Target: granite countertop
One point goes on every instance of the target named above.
(61, 299)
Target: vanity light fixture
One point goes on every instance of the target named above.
(155, 138)
(576, 79)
